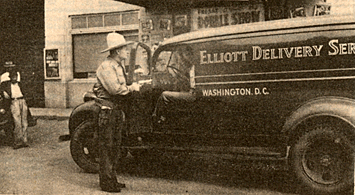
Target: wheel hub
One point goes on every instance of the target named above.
(325, 160)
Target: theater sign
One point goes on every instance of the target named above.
(224, 16)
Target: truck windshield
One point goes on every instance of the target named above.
(168, 60)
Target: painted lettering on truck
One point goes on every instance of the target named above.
(261, 53)
(235, 92)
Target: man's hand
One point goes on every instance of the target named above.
(6, 95)
(135, 87)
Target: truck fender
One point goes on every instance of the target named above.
(85, 111)
(339, 108)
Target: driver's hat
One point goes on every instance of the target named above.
(115, 40)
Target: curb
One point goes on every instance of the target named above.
(50, 113)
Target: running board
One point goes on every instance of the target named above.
(239, 153)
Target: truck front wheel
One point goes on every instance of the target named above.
(322, 160)
(84, 147)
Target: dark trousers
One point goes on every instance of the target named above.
(111, 127)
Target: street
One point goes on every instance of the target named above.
(46, 167)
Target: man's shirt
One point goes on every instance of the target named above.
(6, 77)
(111, 78)
(16, 91)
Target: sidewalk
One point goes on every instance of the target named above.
(51, 112)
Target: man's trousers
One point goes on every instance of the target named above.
(111, 124)
(19, 111)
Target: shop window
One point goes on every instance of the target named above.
(130, 18)
(102, 20)
(95, 21)
(86, 52)
(131, 37)
(112, 20)
(78, 22)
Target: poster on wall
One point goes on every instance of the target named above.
(165, 24)
(320, 10)
(181, 24)
(51, 64)
(276, 12)
(145, 39)
(147, 25)
(297, 12)
(180, 20)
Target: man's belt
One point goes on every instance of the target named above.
(19, 98)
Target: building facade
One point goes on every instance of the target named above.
(75, 32)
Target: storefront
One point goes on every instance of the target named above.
(75, 32)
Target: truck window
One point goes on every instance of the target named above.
(179, 60)
(178, 65)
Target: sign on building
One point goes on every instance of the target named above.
(225, 16)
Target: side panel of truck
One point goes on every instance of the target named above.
(250, 83)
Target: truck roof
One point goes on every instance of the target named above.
(260, 27)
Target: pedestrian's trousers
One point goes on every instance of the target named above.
(19, 111)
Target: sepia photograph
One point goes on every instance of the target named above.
(177, 97)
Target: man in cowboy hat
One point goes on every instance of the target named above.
(114, 94)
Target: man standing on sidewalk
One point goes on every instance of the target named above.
(114, 96)
(12, 90)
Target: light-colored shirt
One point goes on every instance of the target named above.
(112, 77)
(16, 91)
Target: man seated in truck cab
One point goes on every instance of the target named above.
(181, 67)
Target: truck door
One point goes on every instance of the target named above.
(140, 71)
(171, 77)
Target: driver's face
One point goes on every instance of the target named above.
(123, 52)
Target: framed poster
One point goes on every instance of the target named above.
(180, 21)
(320, 10)
(147, 25)
(297, 12)
(165, 24)
(51, 64)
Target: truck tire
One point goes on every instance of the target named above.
(84, 147)
(322, 160)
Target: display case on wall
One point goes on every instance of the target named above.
(51, 64)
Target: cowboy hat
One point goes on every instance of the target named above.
(115, 40)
